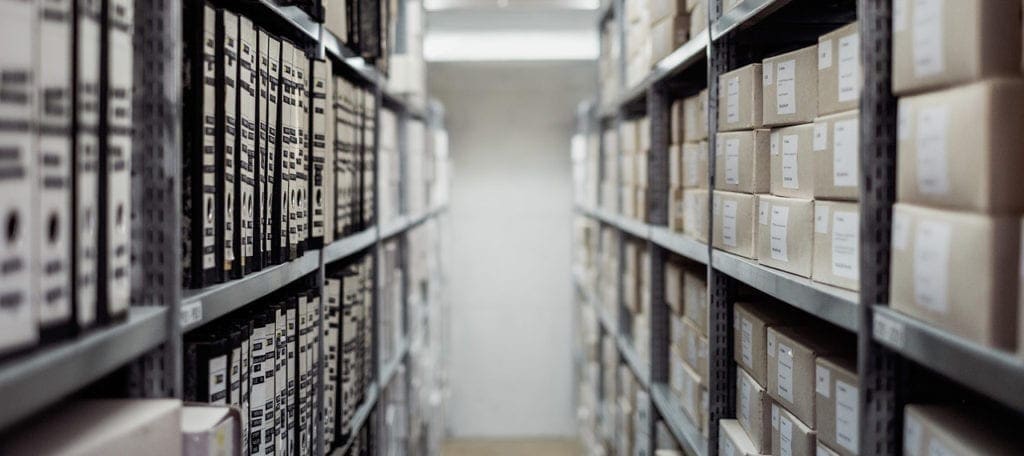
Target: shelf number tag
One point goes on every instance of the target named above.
(191, 313)
(888, 330)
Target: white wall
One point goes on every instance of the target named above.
(510, 354)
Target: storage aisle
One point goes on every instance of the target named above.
(797, 229)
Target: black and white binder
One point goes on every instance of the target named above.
(346, 163)
(351, 344)
(54, 168)
(328, 154)
(205, 368)
(86, 149)
(280, 310)
(234, 337)
(303, 372)
(313, 355)
(332, 356)
(368, 161)
(317, 150)
(260, 166)
(301, 148)
(116, 89)
(284, 208)
(276, 188)
(245, 147)
(292, 365)
(227, 128)
(199, 125)
(262, 436)
(19, 323)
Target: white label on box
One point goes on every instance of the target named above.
(932, 168)
(846, 245)
(820, 136)
(766, 73)
(820, 218)
(902, 121)
(931, 265)
(732, 100)
(785, 92)
(745, 403)
(770, 346)
(927, 45)
(775, 416)
(785, 372)
(900, 230)
(822, 381)
(779, 233)
(888, 330)
(732, 161)
(762, 212)
(727, 448)
(785, 436)
(825, 54)
(729, 223)
(747, 342)
(899, 15)
(937, 448)
(912, 436)
(844, 154)
(847, 434)
(790, 166)
(849, 67)
(774, 143)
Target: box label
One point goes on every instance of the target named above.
(767, 69)
(927, 44)
(785, 436)
(931, 265)
(785, 92)
(191, 313)
(846, 245)
(790, 165)
(770, 346)
(785, 374)
(849, 67)
(822, 381)
(820, 218)
(847, 434)
(747, 342)
(825, 54)
(732, 161)
(774, 144)
(820, 136)
(932, 167)
(775, 416)
(900, 230)
(912, 436)
(729, 223)
(762, 212)
(732, 100)
(778, 233)
(844, 154)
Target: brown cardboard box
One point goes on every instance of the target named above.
(839, 73)
(961, 148)
(667, 35)
(674, 287)
(790, 436)
(661, 9)
(957, 271)
(732, 441)
(790, 87)
(948, 430)
(735, 223)
(677, 123)
(791, 355)
(691, 4)
(695, 298)
(695, 165)
(695, 117)
(739, 99)
(676, 209)
(640, 195)
(837, 157)
(743, 161)
(695, 349)
(692, 393)
(699, 18)
(695, 213)
(675, 165)
(754, 411)
(837, 244)
(836, 403)
(792, 161)
(953, 42)
(751, 322)
(785, 227)
(628, 200)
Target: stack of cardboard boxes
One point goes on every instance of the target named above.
(688, 166)
(626, 432)
(655, 28)
(635, 144)
(638, 44)
(609, 185)
(636, 279)
(609, 391)
(687, 298)
(670, 27)
(609, 74)
(797, 387)
(608, 271)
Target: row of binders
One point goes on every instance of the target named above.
(278, 154)
(264, 359)
(66, 93)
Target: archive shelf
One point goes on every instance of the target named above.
(349, 245)
(388, 370)
(359, 418)
(744, 14)
(678, 423)
(677, 243)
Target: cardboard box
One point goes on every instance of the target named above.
(957, 271)
(732, 441)
(667, 35)
(695, 214)
(947, 42)
(677, 123)
(640, 198)
(628, 201)
(695, 349)
(699, 18)
(691, 394)
(837, 156)
(661, 9)
(792, 351)
(695, 117)
(675, 165)
(674, 287)
(790, 436)
(743, 161)
(691, 4)
(735, 223)
(210, 430)
(839, 74)
(751, 322)
(785, 226)
(836, 403)
(946, 430)
(695, 298)
(960, 148)
(676, 209)
(790, 87)
(837, 244)
(102, 427)
(739, 99)
(754, 411)
(792, 161)
(695, 165)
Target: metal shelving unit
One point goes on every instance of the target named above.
(674, 242)
(742, 15)
(678, 423)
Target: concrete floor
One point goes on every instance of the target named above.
(511, 447)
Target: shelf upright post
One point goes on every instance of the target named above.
(658, 106)
(880, 369)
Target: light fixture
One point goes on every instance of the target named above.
(496, 46)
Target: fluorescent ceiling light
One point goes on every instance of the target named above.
(476, 46)
(438, 5)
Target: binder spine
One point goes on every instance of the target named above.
(243, 371)
(367, 106)
(287, 132)
(300, 148)
(302, 399)
(261, 215)
(281, 378)
(275, 138)
(332, 330)
(317, 152)
(292, 366)
(227, 125)
(245, 144)
(86, 148)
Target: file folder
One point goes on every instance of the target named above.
(86, 149)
